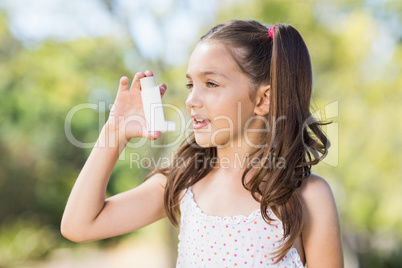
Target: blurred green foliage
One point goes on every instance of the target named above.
(38, 164)
(356, 54)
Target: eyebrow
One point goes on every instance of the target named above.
(208, 73)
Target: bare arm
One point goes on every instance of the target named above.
(322, 233)
(88, 216)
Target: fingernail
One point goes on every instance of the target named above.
(157, 135)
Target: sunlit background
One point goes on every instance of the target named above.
(57, 55)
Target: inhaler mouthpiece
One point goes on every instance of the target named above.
(153, 109)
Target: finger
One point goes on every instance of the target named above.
(162, 88)
(156, 134)
(149, 73)
(123, 85)
(153, 135)
(136, 82)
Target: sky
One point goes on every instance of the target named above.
(167, 29)
(161, 29)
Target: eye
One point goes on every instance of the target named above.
(189, 85)
(211, 84)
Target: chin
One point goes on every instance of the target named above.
(204, 140)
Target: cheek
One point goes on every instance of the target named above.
(239, 109)
(243, 115)
(231, 116)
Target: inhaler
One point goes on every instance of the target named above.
(153, 109)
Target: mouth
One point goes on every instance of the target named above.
(199, 122)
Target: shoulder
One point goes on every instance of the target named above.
(158, 178)
(315, 190)
(318, 201)
(321, 224)
(154, 183)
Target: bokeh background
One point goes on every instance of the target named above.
(60, 63)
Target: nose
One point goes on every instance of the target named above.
(193, 99)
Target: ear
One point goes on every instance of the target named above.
(262, 100)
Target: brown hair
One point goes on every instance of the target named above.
(283, 62)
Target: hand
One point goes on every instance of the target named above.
(127, 117)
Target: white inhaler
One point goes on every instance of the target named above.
(153, 109)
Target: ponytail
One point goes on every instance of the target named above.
(299, 144)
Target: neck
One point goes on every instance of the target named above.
(234, 156)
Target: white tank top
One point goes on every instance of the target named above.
(240, 241)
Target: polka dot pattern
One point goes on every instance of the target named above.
(242, 241)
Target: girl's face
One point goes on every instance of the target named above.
(219, 97)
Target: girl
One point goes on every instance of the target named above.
(240, 186)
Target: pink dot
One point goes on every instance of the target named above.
(261, 262)
(262, 246)
(265, 228)
(235, 240)
(235, 255)
(248, 249)
(249, 229)
(209, 259)
(227, 226)
(223, 259)
(224, 244)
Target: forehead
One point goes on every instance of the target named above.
(210, 56)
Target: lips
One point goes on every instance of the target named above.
(199, 121)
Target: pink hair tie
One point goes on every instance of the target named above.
(271, 32)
